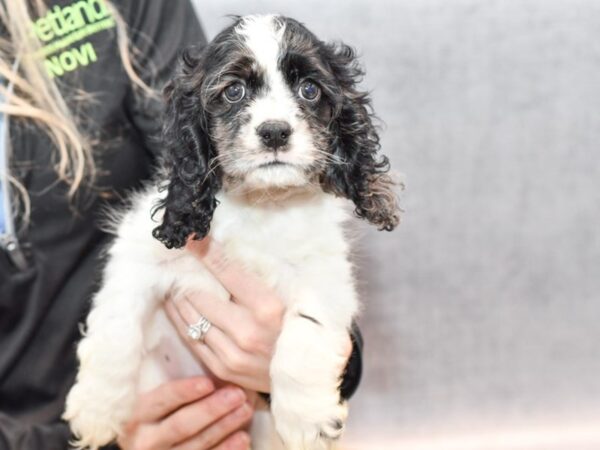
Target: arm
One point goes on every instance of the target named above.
(353, 371)
(16, 435)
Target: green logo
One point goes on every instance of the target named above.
(60, 28)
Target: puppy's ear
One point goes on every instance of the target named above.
(191, 181)
(359, 172)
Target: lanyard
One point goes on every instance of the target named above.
(8, 237)
(4, 225)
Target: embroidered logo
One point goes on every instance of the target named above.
(63, 26)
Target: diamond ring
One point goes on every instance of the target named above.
(198, 331)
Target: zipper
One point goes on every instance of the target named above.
(13, 250)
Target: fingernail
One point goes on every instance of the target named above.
(233, 396)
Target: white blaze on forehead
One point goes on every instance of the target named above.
(263, 36)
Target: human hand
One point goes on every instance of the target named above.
(189, 414)
(239, 346)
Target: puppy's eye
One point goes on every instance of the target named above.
(309, 90)
(235, 92)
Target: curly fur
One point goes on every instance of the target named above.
(190, 201)
(344, 122)
(363, 178)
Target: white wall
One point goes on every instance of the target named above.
(483, 309)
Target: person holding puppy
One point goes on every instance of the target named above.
(79, 124)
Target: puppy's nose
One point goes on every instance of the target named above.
(274, 133)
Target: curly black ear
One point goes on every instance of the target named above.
(191, 182)
(359, 172)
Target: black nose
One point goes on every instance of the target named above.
(274, 133)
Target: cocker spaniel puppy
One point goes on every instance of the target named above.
(268, 136)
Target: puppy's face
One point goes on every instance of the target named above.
(268, 105)
(269, 95)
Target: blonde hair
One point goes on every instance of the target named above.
(36, 96)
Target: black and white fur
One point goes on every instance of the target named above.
(277, 209)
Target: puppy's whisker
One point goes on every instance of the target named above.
(331, 158)
(213, 165)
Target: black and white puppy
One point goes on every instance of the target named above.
(267, 137)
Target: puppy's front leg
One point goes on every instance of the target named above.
(110, 353)
(310, 356)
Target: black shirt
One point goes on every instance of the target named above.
(41, 307)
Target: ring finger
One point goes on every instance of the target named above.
(223, 346)
(215, 343)
(191, 317)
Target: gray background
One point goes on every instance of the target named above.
(482, 309)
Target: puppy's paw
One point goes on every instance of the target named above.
(102, 398)
(305, 378)
(309, 427)
(333, 429)
(91, 423)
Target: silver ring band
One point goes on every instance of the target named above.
(197, 332)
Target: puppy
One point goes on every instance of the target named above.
(268, 137)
